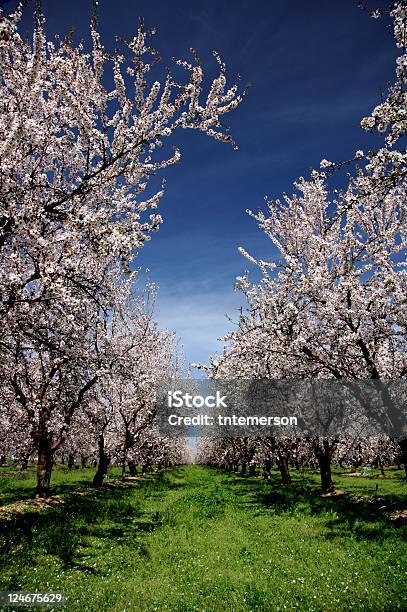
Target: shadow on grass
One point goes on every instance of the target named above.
(21, 492)
(360, 516)
(68, 532)
(17, 485)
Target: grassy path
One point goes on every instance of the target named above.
(192, 538)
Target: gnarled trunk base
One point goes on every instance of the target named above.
(284, 469)
(103, 464)
(44, 468)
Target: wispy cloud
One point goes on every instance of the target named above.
(199, 319)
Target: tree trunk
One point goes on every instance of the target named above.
(44, 467)
(324, 454)
(252, 470)
(243, 471)
(267, 469)
(83, 461)
(71, 461)
(24, 460)
(103, 464)
(132, 468)
(284, 469)
(380, 466)
(403, 453)
(356, 464)
(326, 476)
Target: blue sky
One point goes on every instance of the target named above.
(315, 68)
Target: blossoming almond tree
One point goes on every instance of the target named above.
(122, 404)
(75, 206)
(334, 304)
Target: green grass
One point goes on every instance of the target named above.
(16, 485)
(193, 538)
